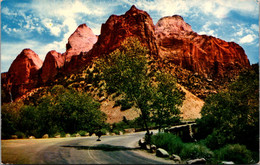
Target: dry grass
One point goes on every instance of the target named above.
(190, 109)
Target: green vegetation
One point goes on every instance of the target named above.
(239, 154)
(232, 116)
(61, 110)
(195, 150)
(124, 104)
(228, 129)
(172, 143)
(126, 71)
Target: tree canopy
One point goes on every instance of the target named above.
(232, 116)
(126, 71)
(60, 110)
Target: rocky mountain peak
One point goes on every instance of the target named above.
(170, 41)
(82, 40)
(134, 23)
(23, 73)
(52, 63)
(172, 24)
(25, 63)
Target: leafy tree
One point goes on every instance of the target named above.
(166, 101)
(126, 71)
(10, 116)
(232, 116)
(60, 110)
(70, 111)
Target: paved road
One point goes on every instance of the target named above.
(120, 149)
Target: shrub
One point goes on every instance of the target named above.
(82, 133)
(236, 153)
(104, 131)
(172, 143)
(124, 104)
(20, 135)
(116, 131)
(73, 135)
(194, 151)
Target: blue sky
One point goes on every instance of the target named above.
(45, 25)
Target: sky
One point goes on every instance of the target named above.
(44, 25)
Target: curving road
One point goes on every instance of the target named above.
(120, 149)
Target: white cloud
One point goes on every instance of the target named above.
(217, 8)
(10, 51)
(255, 27)
(7, 12)
(247, 39)
(240, 33)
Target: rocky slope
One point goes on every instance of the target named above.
(197, 61)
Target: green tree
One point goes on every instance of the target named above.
(126, 71)
(10, 116)
(166, 101)
(232, 116)
(58, 110)
(69, 111)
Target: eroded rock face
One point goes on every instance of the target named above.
(206, 55)
(24, 68)
(82, 40)
(23, 73)
(171, 41)
(134, 23)
(53, 62)
(79, 44)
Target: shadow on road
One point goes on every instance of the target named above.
(103, 147)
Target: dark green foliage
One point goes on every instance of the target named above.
(239, 154)
(194, 151)
(28, 120)
(82, 133)
(62, 110)
(20, 135)
(232, 116)
(166, 101)
(124, 104)
(171, 143)
(10, 119)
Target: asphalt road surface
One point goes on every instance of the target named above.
(119, 149)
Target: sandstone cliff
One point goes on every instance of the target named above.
(170, 41)
(134, 23)
(22, 76)
(206, 55)
(53, 62)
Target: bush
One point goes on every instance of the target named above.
(124, 104)
(116, 131)
(104, 131)
(20, 135)
(239, 154)
(171, 143)
(82, 133)
(194, 151)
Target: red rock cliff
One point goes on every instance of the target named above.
(53, 62)
(207, 55)
(172, 40)
(23, 73)
(82, 40)
(134, 23)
